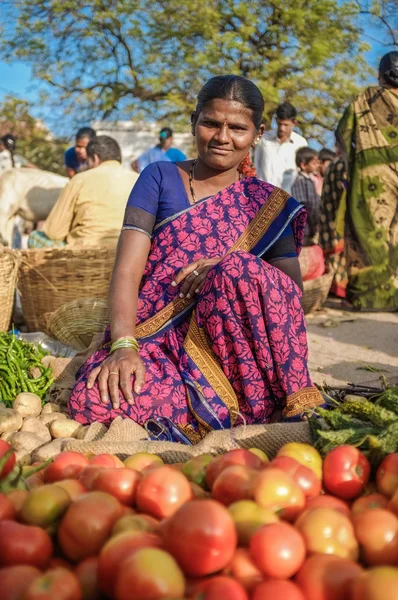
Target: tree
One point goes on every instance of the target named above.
(34, 141)
(383, 15)
(148, 58)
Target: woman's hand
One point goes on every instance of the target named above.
(115, 372)
(194, 276)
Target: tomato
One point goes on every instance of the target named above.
(220, 587)
(116, 550)
(302, 475)
(346, 472)
(57, 561)
(368, 503)
(24, 545)
(233, 457)
(277, 491)
(277, 590)
(278, 550)
(206, 526)
(142, 460)
(243, 569)
(7, 509)
(9, 463)
(87, 524)
(44, 505)
(119, 482)
(327, 501)
(392, 505)
(17, 498)
(379, 583)
(387, 475)
(57, 583)
(327, 577)
(151, 573)
(327, 531)
(195, 469)
(377, 533)
(89, 474)
(87, 576)
(14, 581)
(260, 453)
(305, 454)
(73, 487)
(135, 523)
(248, 518)
(198, 491)
(107, 461)
(233, 484)
(66, 465)
(162, 491)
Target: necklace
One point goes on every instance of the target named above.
(192, 178)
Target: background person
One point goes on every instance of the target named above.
(162, 151)
(76, 157)
(368, 134)
(275, 155)
(91, 206)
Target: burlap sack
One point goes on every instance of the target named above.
(125, 437)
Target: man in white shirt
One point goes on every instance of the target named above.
(275, 155)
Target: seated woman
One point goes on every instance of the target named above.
(207, 279)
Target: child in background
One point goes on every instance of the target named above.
(304, 190)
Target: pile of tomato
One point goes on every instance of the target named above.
(236, 527)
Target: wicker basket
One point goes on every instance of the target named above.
(48, 278)
(75, 323)
(316, 291)
(9, 262)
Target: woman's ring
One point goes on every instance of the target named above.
(196, 273)
(113, 373)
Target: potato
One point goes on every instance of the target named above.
(49, 408)
(34, 425)
(10, 420)
(27, 404)
(50, 450)
(64, 428)
(49, 418)
(25, 441)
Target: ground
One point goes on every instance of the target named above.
(343, 345)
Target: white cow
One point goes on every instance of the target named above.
(27, 193)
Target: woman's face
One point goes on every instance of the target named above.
(224, 133)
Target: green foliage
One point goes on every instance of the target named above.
(129, 58)
(34, 141)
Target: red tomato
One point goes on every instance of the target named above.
(277, 590)
(377, 533)
(392, 505)
(276, 490)
(88, 475)
(346, 472)
(66, 465)
(327, 577)
(379, 583)
(327, 531)
(87, 576)
(305, 477)
(233, 457)
(151, 573)
(24, 545)
(17, 498)
(116, 550)
(73, 487)
(87, 524)
(278, 550)
(233, 484)
(206, 526)
(162, 491)
(327, 501)
(107, 461)
(243, 569)
(9, 462)
(369, 502)
(57, 561)
(387, 475)
(7, 509)
(14, 581)
(58, 583)
(219, 587)
(119, 482)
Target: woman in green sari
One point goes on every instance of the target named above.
(369, 133)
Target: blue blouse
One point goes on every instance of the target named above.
(160, 193)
